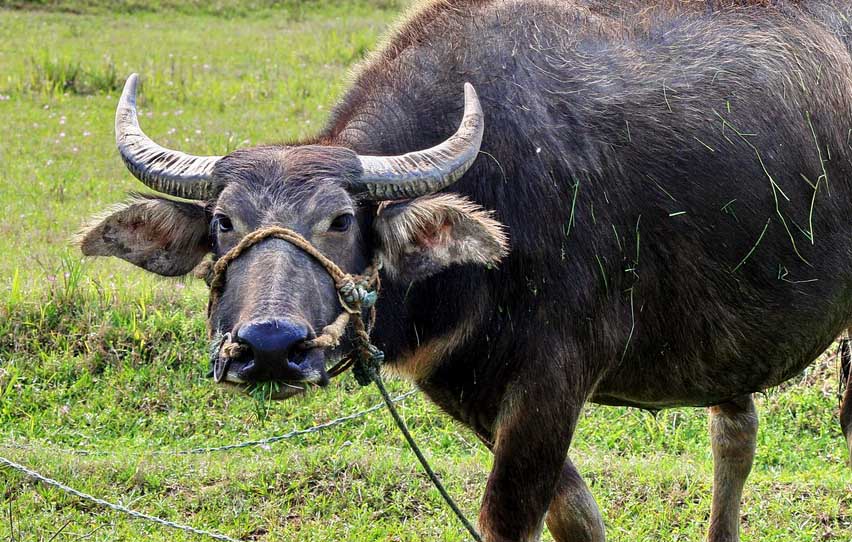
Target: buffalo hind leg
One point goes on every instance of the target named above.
(573, 515)
(733, 434)
(846, 381)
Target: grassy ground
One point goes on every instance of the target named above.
(97, 355)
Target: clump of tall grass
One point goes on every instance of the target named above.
(99, 324)
(50, 75)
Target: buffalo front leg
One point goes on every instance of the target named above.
(733, 434)
(573, 515)
(530, 445)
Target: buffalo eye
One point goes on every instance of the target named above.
(221, 223)
(341, 223)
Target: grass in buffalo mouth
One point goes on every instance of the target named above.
(262, 393)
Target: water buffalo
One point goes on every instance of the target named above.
(641, 203)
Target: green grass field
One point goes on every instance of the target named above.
(97, 355)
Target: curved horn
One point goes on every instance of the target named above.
(425, 172)
(167, 171)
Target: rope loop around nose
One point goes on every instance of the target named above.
(355, 293)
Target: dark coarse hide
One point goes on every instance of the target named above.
(676, 180)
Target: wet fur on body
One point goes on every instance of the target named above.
(674, 179)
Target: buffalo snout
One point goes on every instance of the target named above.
(271, 341)
(274, 350)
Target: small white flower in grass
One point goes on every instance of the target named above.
(62, 119)
(197, 132)
(5, 97)
(86, 133)
(171, 131)
(61, 134)
(64, 409)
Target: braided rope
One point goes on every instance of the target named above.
(352, 289)
(422, 459)
(112, 506)
(219, 267)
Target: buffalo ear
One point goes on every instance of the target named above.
(421, 237)
(160, 235)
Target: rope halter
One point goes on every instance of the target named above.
(355, 293)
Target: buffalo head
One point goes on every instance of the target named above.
(352, 208)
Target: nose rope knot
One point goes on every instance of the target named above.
(355, 293)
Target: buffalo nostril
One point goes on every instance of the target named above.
(271, 341)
